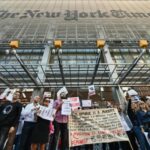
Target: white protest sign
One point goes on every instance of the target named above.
(47, 112)
(91, 90)
(66, 107)
(62, 91)
(95, 126)
(132, 92)
(86, 103)
(47, 94)
(75, 102)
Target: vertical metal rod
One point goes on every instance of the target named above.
(96, 67)
(61, 69)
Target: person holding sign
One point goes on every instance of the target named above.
(60, 124)
(10, 112)
(41, 130)
(137, 126)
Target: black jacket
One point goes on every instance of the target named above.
(10, 114)
(132, 115)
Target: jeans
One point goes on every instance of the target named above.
(3, 136)
(141, 138)
(25, 141)
(62, 129)
(17, 142)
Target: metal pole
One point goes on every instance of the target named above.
(25, 69)
(131, 67)
(61, 68)
(96, 67)
(6, 82)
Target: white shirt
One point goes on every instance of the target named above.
(29, 113)
(124, 124)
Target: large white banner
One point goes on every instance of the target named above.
(95, 126)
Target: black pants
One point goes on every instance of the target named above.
(89, 147)
(132, 139)
(113, 146)
(25, 141)
(3, 136)
(63, 130)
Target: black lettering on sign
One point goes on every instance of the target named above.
(72, 15)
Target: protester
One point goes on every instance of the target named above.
(137, 127)
(30, 119)
(127, 125)
(9, 118)
(143, 116)
(60, 125)
(41, 131)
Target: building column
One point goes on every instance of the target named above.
(41, 76)
(116, 91)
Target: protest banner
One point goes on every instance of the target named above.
(86, 103)
(75, 102)
(91, 90)
(66, 107)
(95, 126)
(47, 112)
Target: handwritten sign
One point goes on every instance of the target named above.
(95, 126)
(91, 90)
(75, 102)
(86, 103)
(47, 112)
(66, 107)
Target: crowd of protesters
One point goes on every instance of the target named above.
(22, 129)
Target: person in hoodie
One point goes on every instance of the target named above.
(10, 112)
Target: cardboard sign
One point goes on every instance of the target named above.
(66, 107)
(75, 102)
(95, 126)
(86, 103)
(91, 90)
